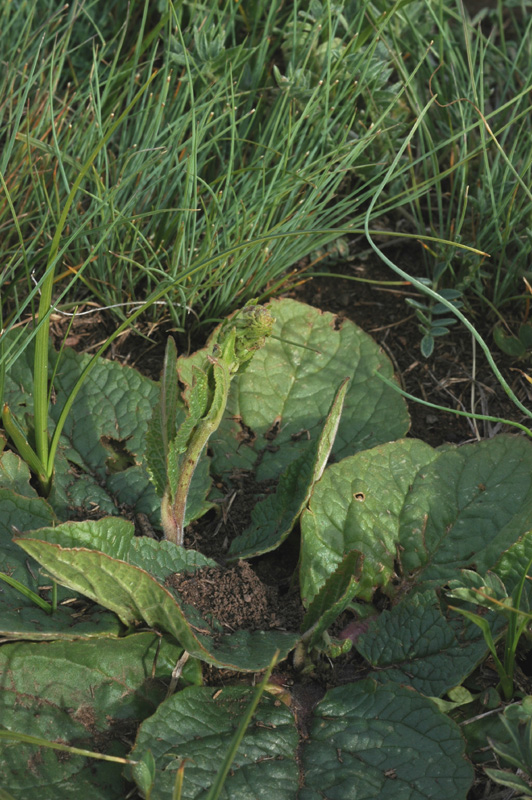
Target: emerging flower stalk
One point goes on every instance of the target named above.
(173, 451)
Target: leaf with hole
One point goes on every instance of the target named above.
(356, 506)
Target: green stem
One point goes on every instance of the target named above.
(468, 414)
(63, 748)
(25, 450)
(421, 286)
(173, 508)
(24, 590)
(216, 789)
(234, 345)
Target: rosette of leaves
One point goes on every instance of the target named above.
(372, 514)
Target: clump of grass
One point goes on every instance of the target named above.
(470, 162)
(259, 138)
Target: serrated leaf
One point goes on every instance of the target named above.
(170, 400)
(333, 597)
(15, 475)
(76, 693)
(277, 405)
(273, 518)
(511, 564)
(133, 594)
(197, 395)
(466, 507)
(383, 743)
(356, 506)
(156, 451)
(197, 724)
(104, 431)
(116, 538)
(417, 644)
(163, 424)
(162, 559)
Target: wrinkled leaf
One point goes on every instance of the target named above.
(15, 475)
(162, 559)
(116, 538)
(277, 405)
(417, 644)
(133, 594)
(162, 425)
(383, 743)
(511, 565)
(87, 694)
(274, 517)
(466, 507)
(197, 725)
(356, 506)
(20, 618)
(18, 514)
(20, 511)
(477, 589)
(104, 435)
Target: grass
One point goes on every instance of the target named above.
(248, 130)
(198, 155)
(472, 151)
(263, 137)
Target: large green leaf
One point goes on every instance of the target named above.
(85, 694)
(18, 514)
(162, 559)
(374, 742)
(417, 644)
(273, 518)
(100, 461)
(22, 510)
(134, 594)
(278, 404)
(356, 506)
(20, 618)
(197, 724)
(466, 507)
(116, 538)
